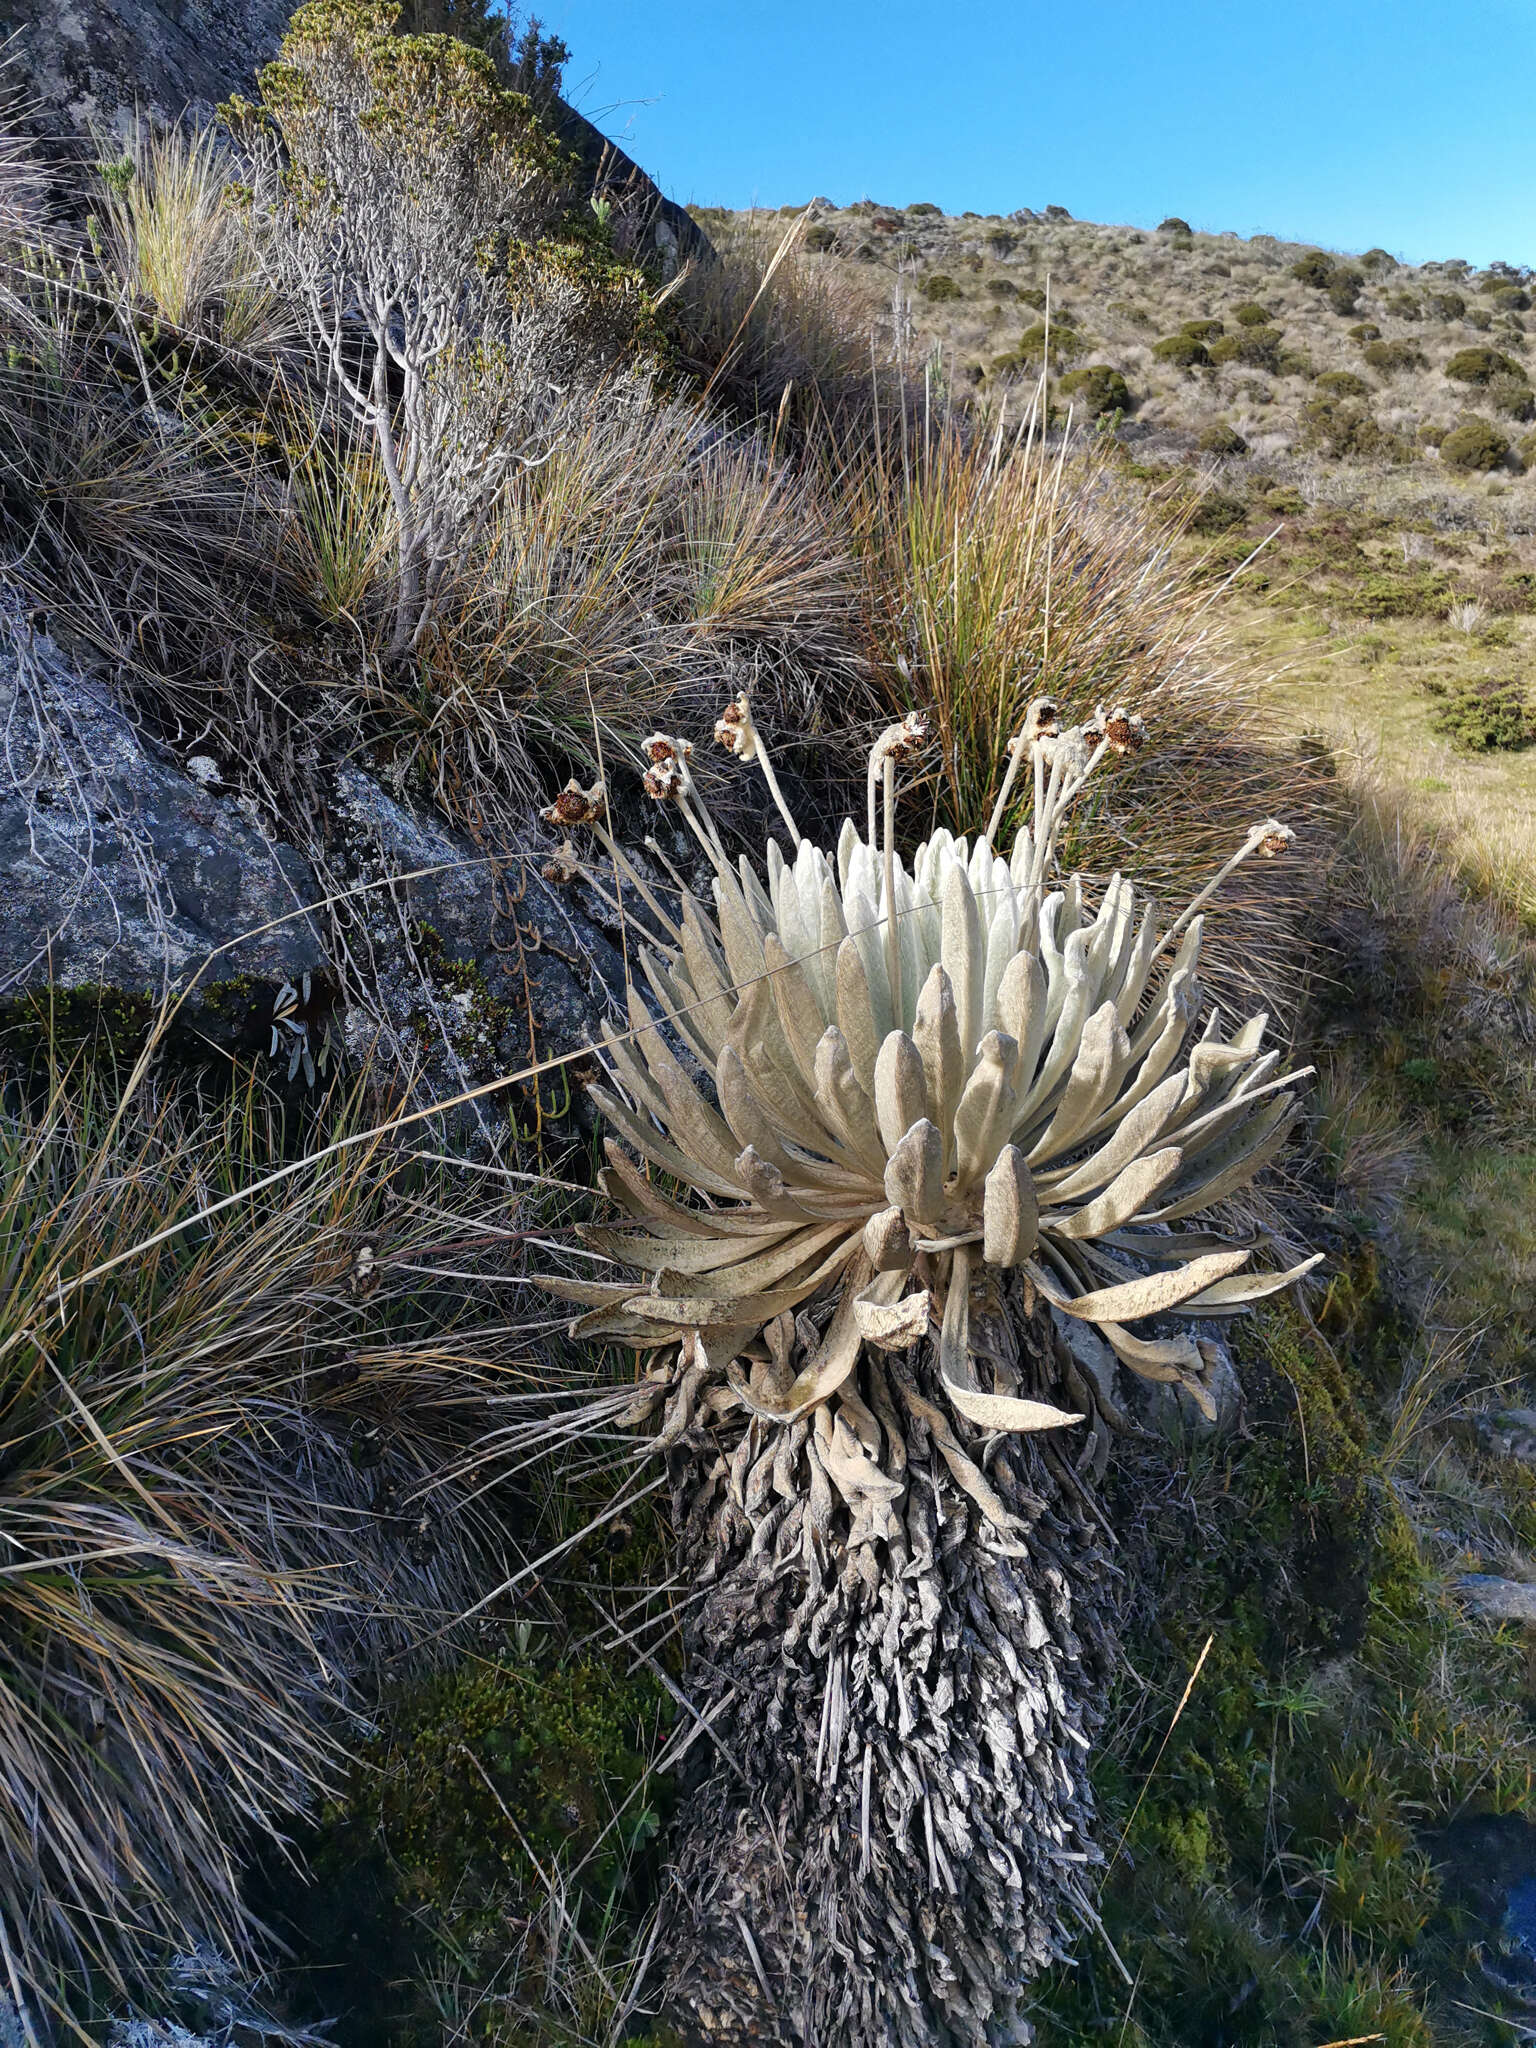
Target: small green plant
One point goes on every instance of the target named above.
(1481, 366)
(939, 286)
(1476, 444)
(1217, 513)
(1173, 225)
(1220, 438)
(820, 239)
(1203, 330)
(1182, 352)
(1315, 268)
(1096, 390)
(1343, 384)
(1251, 314)
(1486, 717)
(1364, 331)
(1446, 305)
(926, 207)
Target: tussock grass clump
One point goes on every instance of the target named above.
(1002, 566)
(223, 1431)
(182, 237)
(763, 331)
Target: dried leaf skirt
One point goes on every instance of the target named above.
(889, 1823)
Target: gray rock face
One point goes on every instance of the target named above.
(1500, 1599)
(122, 870)
(118, 869)
(92, 66)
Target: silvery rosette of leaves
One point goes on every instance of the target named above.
(924, 1076)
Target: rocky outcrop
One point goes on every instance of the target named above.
(122, 870)
(91, 67)
(132, 872)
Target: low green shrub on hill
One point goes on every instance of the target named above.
(1476, 444)
(1481, 366)
(1487, 717)
(1096, 390)
(1182, 352)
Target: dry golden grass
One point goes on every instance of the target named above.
(1362, 689)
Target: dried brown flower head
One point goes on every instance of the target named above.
(577, 806)
(1043, 720)
(1276, 837)
(666, 747)
(1125, 731)
(735, 731)
(563, 866)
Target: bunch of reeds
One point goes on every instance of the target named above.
(1004, 564)
(231, 1383)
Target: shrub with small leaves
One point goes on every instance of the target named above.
(1389, 357)
(1512, 396)
(1487, 717)
(939, 286)
(1066, 345)
(1476, 444)
(1260, 348)
(1316, 268)
(1219, 438)
(1182, 352)
(1203, 330)
(1096, 390)
(1343, 384)
(1340, 426)
(1251, 314)
(1446, 305)
(926, 206)
(820, 239)
(1378, 260)
(1174, 226)
(1344, 290)
(1364, 331)
(1481, 366)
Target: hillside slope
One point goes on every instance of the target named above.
(1347, 436)
(1259, 332)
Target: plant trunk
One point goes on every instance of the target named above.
(889, 1817)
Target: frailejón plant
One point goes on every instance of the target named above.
(950, 1112)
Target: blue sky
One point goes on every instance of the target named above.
(1346, 122)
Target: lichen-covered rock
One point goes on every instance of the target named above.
(119, 869)
(398, 936)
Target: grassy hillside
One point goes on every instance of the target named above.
(1358, 426)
